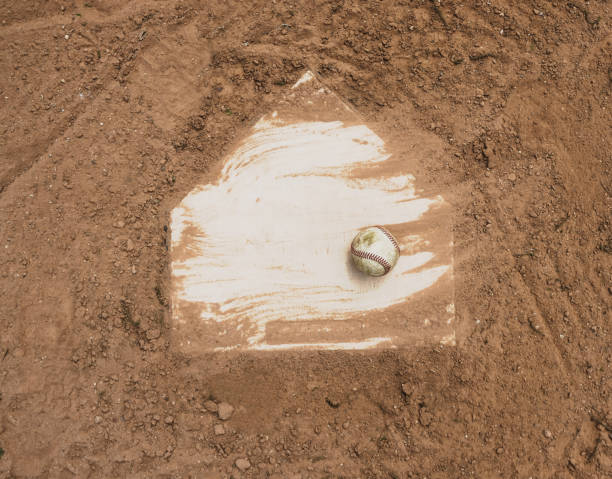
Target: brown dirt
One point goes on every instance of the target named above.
(112, 111)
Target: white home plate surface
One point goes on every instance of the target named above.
(261, 254)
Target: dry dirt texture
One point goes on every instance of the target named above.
(113, 110)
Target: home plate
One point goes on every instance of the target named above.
(261, 253)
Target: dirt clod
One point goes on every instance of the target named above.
(153, 333)
(425, 417)
(211, 406)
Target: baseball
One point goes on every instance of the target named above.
(375, 251)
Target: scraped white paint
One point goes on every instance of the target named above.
(306, 77)
(355, 346)
(268, 241)
(285, 209)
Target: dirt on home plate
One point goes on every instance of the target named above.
(111, 111)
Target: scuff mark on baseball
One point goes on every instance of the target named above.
(374, 251)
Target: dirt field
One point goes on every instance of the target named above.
(111, 111)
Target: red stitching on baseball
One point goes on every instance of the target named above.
(372, 256)
(390, 236)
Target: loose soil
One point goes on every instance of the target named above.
(112, 111)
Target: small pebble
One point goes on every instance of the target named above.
(225, 411)
(219, 429)
(547, 434)
(169, 420)
(98, 419)
(243, 464)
